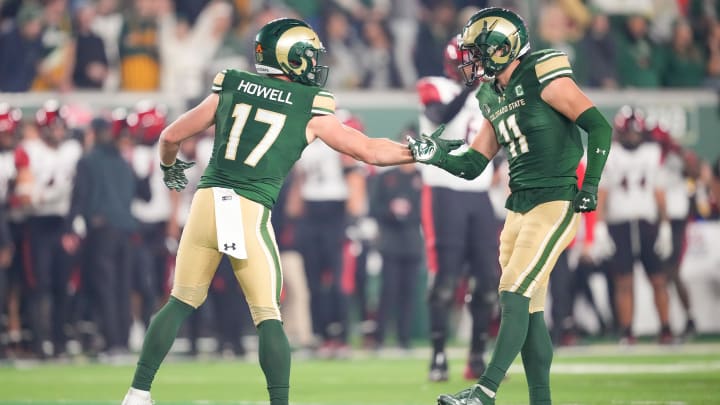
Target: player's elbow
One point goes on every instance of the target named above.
(169, 137)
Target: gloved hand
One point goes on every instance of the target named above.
(603, 246)
(430, 149)
(663, 244)
(585, 199)
(174, 175)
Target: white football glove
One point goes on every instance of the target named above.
(663, 243)
(603, 246)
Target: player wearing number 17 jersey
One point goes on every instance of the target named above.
(262, 124)
(533, 109)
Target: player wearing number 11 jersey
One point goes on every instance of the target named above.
(262, 124)
(533, 109)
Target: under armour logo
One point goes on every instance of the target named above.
(585, 200)
(230, 246)
(601, 151)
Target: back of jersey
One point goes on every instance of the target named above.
(260, 127)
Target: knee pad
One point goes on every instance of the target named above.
(191, 295)
(260, 314)
(441, 296)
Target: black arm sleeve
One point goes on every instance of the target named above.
(440, 113)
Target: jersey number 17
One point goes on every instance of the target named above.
(241, 113)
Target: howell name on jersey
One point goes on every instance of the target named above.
(269, 93)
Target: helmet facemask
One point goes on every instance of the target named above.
(302, 65)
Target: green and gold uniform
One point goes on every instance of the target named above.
(260, 132)
(544, 148)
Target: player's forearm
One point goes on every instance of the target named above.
(468, 165)
(599, 138)
(168, 151)
(384, 152)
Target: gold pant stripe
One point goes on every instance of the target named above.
(270, 251)
(539, 253)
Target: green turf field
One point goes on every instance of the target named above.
(641, 375)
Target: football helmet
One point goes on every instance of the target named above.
(287, 46)
(629, 126)
(452, 59)
(118, 122)
(9, 118)
(146, 122)
(493, 37)
(50, 114)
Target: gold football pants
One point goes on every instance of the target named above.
(260, 275)
(530, 244)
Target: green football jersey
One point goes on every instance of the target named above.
(260, 127)
(543, 146)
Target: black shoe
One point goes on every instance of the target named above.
(475, 367)
(438, 368)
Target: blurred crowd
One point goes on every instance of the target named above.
(88, 233)
(174, 45)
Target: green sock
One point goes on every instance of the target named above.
(510, 338)
(159, 338)
(274, 353)
(537, 354)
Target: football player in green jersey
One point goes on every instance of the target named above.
(533, 108)
(262, 124)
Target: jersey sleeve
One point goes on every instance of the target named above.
(428, 92)
(218, 81)
(323, 103)
(552, 65)
(22, 160)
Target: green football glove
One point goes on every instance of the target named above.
(586, 199)
(431, 149)
(174, 175)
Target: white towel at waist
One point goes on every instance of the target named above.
(229, 223)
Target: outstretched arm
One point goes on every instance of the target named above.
(374, 151)
(468, 165)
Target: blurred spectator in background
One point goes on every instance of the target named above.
(105, 186)
(685, 63)
(56, 68)
(325, 192)
(186, 50)
(437, 26)
(146, 121)
(633, 221)
(679, 166)
(295, 308)
(396, 208)
(21, 49)
(461, 231)
(403, 22)
(139, 53)
(344, 50)
(107, 24)
(52, 159)
(555, 30)
(712, 50)
(9, 123)
(596, 55)
(91, 63)
(639, 62)
(379, 64)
